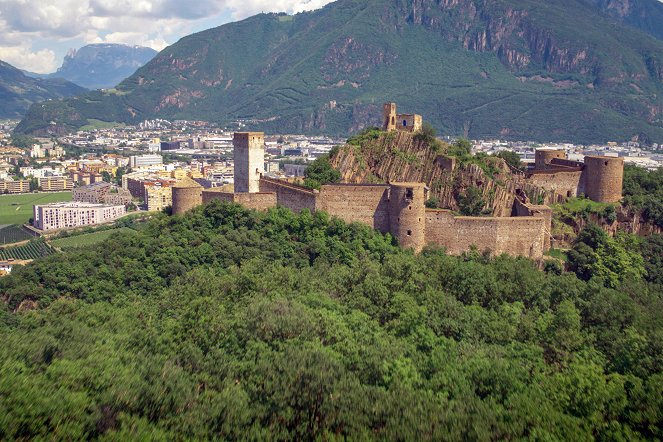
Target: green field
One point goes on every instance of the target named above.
(17, 209)
(87, 239)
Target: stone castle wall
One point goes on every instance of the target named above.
(537, 210)
(256, 201)
(292, 196)
(562, 182)
(366, 204)
(517, 236)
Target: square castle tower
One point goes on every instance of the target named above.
(249, 156)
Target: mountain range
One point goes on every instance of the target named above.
(566, 70)
(18, 91)
(99, 66)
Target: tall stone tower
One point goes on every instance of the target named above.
(249, 155)
(604, 178)
(389, 117)
(407, 214)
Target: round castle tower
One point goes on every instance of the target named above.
(187, 194)
(604, 177)
(407, 214)
(543, 157)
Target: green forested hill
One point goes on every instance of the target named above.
(18, 91)
(229, 324)
(566, 70)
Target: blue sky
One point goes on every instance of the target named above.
(36, 34)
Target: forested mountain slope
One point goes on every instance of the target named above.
(18, 91)
(230, 324)
(564, 70)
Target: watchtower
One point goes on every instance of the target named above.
(249, 155)
(187, 194)
(407, 214)
(543, 157)
(603, 178)
(389, 117)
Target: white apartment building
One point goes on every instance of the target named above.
(138, 161)
(74, 214)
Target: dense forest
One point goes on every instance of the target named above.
(233, 324)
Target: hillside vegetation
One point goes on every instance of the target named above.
(232, 324)
(18, 91)
(569, 70)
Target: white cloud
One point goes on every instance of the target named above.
(42, 62)
(153, 23)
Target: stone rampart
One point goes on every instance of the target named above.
(537, 210)
(366, 204)
(517, 236)
(567, 183)
(292, 196)
(257, 201)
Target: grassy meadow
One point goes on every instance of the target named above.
(17, 209)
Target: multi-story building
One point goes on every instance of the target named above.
(16, 186)
(74, 214)
(56, 184)
(102, 193)
(158, 197)
(138, 161)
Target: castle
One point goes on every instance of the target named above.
(402, 122)
(399, 208)
(599, 178)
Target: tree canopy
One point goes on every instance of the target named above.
(232, 324)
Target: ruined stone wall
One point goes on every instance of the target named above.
(566, 163)
(563, 183)
(603, 178)
(518, 236)
(408, 122)
(538, 210)
(367, 204)
(257, 201)
(292, 196)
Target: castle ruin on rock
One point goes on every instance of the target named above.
(399, 208)
(403, 122)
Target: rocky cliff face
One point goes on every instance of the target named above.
(103, 65)
(401, 157)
